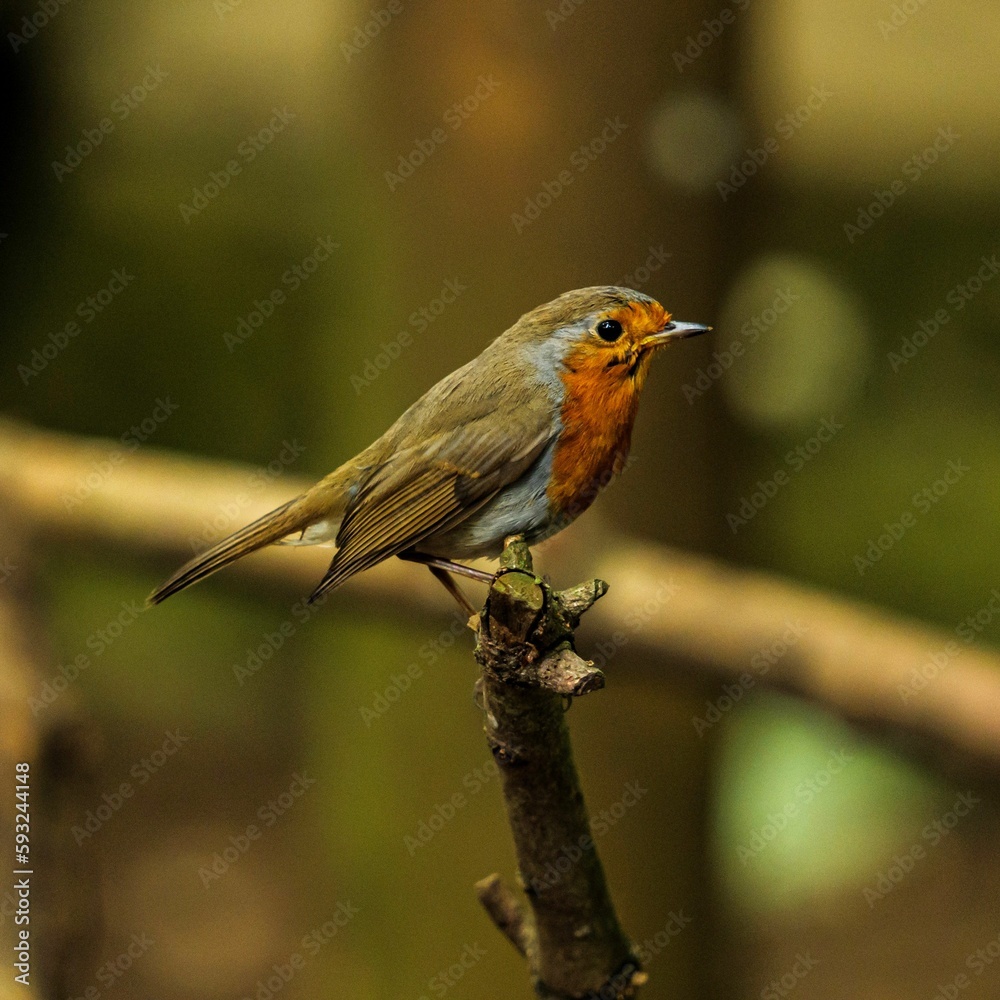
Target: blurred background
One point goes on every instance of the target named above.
(271, 227)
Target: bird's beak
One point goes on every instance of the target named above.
(673, 331)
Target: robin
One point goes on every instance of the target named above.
(519, 441)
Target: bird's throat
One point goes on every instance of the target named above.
(598, 410)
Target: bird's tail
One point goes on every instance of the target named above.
(290, 517)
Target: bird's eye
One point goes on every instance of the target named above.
(609, 329)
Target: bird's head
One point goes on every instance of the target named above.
(606, 335)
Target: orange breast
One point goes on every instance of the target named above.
(598, 411)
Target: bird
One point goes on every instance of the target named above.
(518, 441)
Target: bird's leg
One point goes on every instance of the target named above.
(447, 565)
(442, 570)
(452, 588)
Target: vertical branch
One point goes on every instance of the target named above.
(572, 940)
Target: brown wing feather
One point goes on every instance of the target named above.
(409, 499)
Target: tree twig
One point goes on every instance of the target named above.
(505, 911)
(573, 942)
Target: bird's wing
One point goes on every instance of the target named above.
(435, 484)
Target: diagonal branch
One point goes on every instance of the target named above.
(937, 694)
